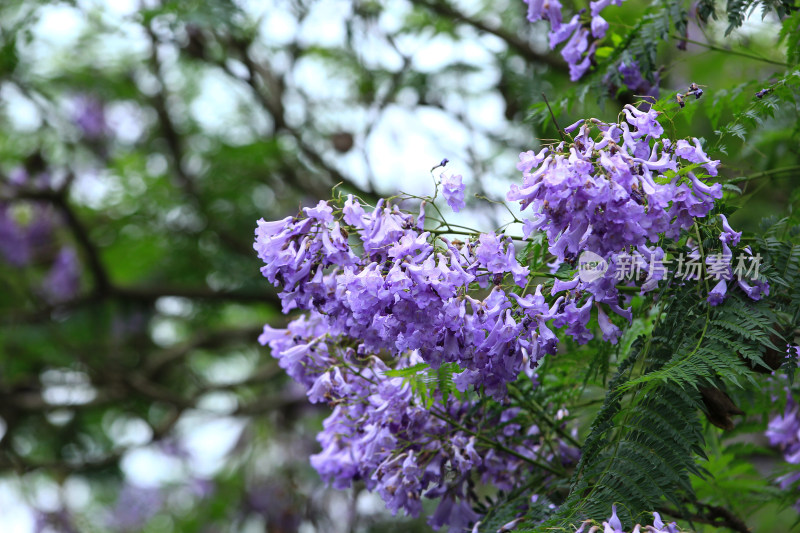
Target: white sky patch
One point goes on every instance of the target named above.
(59, 23)
(208, 440)
(127, 431)
(233, 369)
(404, 146)
(147, 467)
(17, 516)
(96, 189)
(277, 27)
(319, 79)
(323, 26)
(116, 8)
(126, 120)
(23, 114)
(216, 106)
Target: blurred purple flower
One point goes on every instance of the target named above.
(276, 503)
(63, 280)
(59, 521)
(19, 242)
(13, 243)
(134, 508)
(635, 82)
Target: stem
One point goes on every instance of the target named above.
(495, 444)
(540, 412)
(732, 52)
(763, 174)
(555, 122)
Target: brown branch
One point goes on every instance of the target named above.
(282, 402)
(272, 102)
(152, 293)
(710, 514)
(208, 340)
(91, 253)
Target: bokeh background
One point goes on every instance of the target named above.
(140, 142)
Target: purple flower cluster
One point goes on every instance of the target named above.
(623, 188)
(383, 296)
(379, 434)
(784, 432)
(581, 37)
(409, 291)
(614, 525)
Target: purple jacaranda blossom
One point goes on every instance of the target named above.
(530, 159)
(610, 331)
(599, 5)
(576, 318)
(729, 236)
(576, 46)
(353, 212)
(496, 255)
(453, 191)
(402, 295)
(717, 294)
(563, 32)
(534, 10)
(14, 245)
(645, 122)
(362, 439)
(549, 10)
(603, 196)
(695, 154)
(579, 50)
(614, 525)
(599, 27)
(783, 430)
(578, 69)
(754, 289)
(421, 216)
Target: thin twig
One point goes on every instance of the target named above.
(560, 132)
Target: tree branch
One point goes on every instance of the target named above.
(514, 42)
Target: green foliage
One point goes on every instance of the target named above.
(790, 37)
(429, 383)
